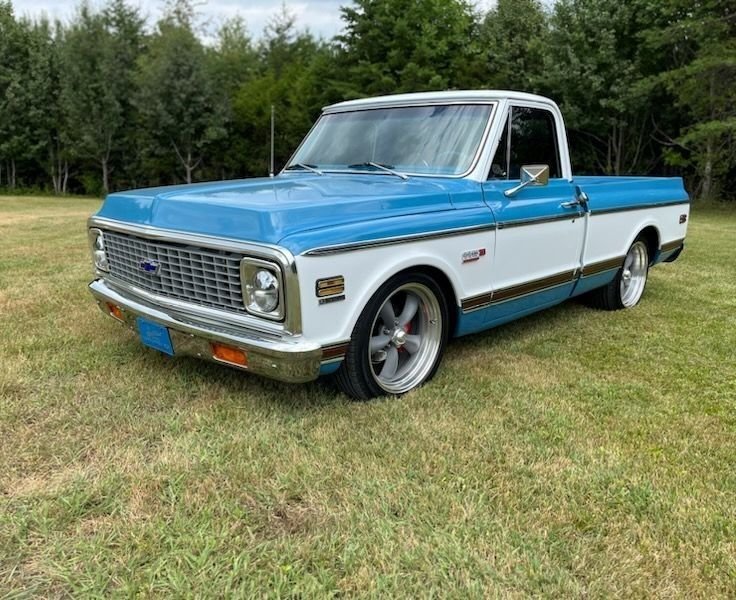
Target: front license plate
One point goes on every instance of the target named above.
(155, 336)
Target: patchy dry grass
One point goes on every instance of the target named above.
(572, 453)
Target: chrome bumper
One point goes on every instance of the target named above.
(288, 359)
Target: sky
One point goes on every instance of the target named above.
(321, 17)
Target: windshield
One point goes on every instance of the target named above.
(431, 140)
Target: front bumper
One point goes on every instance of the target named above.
(285, 358)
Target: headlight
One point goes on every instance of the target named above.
(262, 291)
(97, 245)
(265, 291)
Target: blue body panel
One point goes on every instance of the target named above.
(330, 368)
(611, 193)
(668, 256)
(504, 312)
(300, 211)
(587, 284)
(532, 203)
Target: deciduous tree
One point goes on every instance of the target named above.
(696, 47)
(181, 112)
(90, 99)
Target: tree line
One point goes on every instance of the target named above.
(105, 102)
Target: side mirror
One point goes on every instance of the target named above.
(530, 175)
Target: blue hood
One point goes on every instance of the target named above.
(267, 210)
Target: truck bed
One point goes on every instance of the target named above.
(612, 193)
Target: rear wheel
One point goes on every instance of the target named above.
(398, 341)
(627, 287)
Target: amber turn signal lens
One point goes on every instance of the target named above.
(229, 354)
(115, 311)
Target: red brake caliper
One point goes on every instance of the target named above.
(407, 328)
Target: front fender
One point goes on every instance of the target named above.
(365, 270)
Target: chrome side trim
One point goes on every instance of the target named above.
(539, 220)
(673, 245)
(580, 214)
(534, 286)
(529, 287)
(601, 266)
(605, 211)
(416, 237)
(401, 239)
(517, 291)
(334, 352)
(476, 302)
(292, 323)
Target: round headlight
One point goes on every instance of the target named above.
(101, 260)
(97, 242)
(265, 291)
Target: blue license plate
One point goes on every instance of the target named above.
(155, 336)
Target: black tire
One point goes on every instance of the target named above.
(356, 376)
(611, 296)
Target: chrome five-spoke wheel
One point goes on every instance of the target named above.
(626, 288)
(398, 340)
(634, 274)
(405, 338)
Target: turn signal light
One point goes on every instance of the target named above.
(228, 354)
(115, 311)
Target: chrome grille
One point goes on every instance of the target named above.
(199, 275)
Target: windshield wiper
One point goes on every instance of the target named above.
(305, 167)
(376, 165)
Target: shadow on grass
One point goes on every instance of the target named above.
(314, 395)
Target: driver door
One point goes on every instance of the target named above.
(540, 229)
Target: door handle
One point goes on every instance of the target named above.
(570, 204)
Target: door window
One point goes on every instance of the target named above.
(533, 142)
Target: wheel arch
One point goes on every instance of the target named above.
(652, 238)
(647, 228)
(447, 284)
(447, 290)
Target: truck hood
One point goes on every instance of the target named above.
(267, 210)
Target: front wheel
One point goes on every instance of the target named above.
(627, 287)
(399, 339)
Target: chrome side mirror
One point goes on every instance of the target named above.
(530, 175)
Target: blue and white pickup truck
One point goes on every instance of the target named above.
(398, 222)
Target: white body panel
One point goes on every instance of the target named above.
(519, 257)
(529, 252)
(366, 270)
(611, 234)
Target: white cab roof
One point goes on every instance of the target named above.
(436, 97)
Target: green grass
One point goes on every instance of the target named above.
(574, 452)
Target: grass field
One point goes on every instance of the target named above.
(574, 452)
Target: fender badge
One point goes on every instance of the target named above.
(331, 299)
(473, 255)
